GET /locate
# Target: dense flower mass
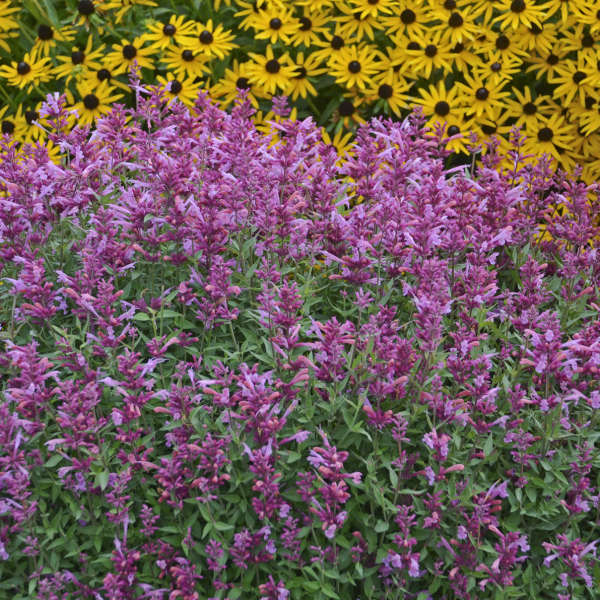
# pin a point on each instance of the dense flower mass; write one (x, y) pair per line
(478, 66)
(233, 367)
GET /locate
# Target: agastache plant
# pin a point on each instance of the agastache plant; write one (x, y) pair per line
(236, 365)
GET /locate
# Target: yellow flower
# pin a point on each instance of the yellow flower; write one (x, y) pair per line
(527, 110)
(483, 97)
(25, 129)
(234, 78)
(8, 25)
(497, 68)
(410, 19)
(275, 24)
(434, 53)
(460, 27)
(185, 62)
(123, 6)
(554, 134)
(577, 39)
(47, 37)
(370, 8)
(211, 41)
(547, 62)
(184, 89)
(122, 56)
(573, 82)
(270, 73)
(541, 39)
(589, 14)
(440, 103)
(391, 95)
(93, 78)
(331, 46)
(352, 23)
(7, 125)
(250, 12)
(347, 113)
(27, 73)
(505, 44)
(299, 84)
(342, 141)
(93, 102)
(519, 12)
(310, 27)
(354, 66)
(177, 30)
(79, 62)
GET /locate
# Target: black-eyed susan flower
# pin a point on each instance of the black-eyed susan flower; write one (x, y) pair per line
(8, 24)
(122, 6)
(185, 62)
(27, 73)
(347, 113)
(85, 9)
(526, 108)
(550, 135)
(459, 27)
(236, 77)
(507, 44)
(183, 88)
(265, 123)
(275, 24)
(342, 141)
(331, 45)
(91, 102)
(176, 30)
(249, 13)
(578, 39)
(541, 39)
(573, 81)
(546, 63)
(316, 5)
(353, 24)
(95, 77)
(589, 117)
(589, 14)
(440, 103)
(210, 41)
(409, 19)
(463, 57)
(391, 96)
(79, 61)
(120, 59)
(497, 126)
(563, 7)
(7, 124)
(354, 66)
(515, 13)
(270, 73)
(482, 97)
(393, 65)
(434, 53)
(47, 37)
(497, 68)
(300, 84)
(26, 124)
(310, 27)
(373, 8)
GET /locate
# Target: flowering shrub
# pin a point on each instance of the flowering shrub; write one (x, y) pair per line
(479, 66)
(223, 378)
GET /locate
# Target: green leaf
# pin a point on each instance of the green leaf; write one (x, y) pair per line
(102, 480)
(488, 446)
(53, 460)
(381, 526)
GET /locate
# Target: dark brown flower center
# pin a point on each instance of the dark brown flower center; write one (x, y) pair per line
(337, 42)
(206, 37)
(31, 116)
(354, 66)
(517, 6)
(545, 134)
(385, 91)
(430, 50)
(305, 24)
(23, 68)
(346, 108)
(552, 59)
(273, 66)
(242, 83)
(77, 57)
(103, 75)
(495, 67)
(169, 30)
(450, 4)
(578, 77)
(129, 51)
(176, 87)
(408, 16)
(8, 127)
(502, 42)
(455, 20)
(85, 7)
(453, 130)
(187, 55)
(275, 23)
(482, 94)
(45, 32)
(91, 101)
(529, 108)
(301, 74)
(442, 108)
